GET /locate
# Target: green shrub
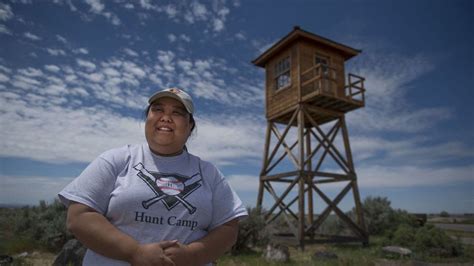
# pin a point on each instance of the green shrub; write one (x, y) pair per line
(43, 224)
(435, 242)
(378, 214)
(252, 232)
(444, 214)
(404, 235)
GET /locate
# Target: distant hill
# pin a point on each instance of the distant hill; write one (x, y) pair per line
(12, 206)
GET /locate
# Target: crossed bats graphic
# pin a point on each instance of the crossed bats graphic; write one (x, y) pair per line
(150, 180)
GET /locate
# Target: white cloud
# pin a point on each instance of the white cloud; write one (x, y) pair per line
(30, 72)
(5, 69)
(228, 139)
(171, 11)
(240, 36)
(24, 82)
(5, 12)
(89, 66)
(4, 30)
(31, 36)
(81, 51)
(89, 131)
(41, 134)
(409, 176)
(109, 71)
(171, 37)
(28, 190)
(146, 4)
(212, 15)
(185, 38)
(52, 68)
(54, 89)
(244, 183)
(414, 151)
(199, 11)
(133, 69)
(61, 39)
(129, 6)
(388, 79)
(130, 52)
(95, 77)
(185, 65)
(218, 24)
(96, 6)
(56, 52)
(114, 19)
(4, 78)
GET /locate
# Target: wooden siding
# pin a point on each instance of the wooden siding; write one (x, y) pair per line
(311, 83)
(279, 100)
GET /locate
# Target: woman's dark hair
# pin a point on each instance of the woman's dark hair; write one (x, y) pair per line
(191, 117)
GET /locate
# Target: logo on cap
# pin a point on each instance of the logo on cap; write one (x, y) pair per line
(175, 91)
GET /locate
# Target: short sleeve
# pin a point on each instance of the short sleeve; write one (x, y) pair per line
(93, 186)
(225, 202)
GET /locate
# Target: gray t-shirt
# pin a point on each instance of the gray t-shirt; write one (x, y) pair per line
(154, 198)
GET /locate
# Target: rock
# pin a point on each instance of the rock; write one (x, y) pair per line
(276, 253)
(397, 250)
(324, 255)
(5, 260)
(22, 255)
(72, 253)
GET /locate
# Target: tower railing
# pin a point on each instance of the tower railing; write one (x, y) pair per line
(322, 79)
(355, 90)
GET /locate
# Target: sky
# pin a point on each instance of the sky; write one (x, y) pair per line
(75, 77)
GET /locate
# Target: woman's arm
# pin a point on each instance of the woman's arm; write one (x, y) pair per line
(98, 234)
(206, 249)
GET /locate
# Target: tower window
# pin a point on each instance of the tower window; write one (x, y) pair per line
(323, 60)
(282, 73)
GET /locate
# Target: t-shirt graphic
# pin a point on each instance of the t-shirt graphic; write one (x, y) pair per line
(169, 188)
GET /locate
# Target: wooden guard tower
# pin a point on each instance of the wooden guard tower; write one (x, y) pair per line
(306, 91)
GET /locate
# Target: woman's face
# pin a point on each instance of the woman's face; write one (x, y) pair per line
(167, 126)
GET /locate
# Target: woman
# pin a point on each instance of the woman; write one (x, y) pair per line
(155, 203)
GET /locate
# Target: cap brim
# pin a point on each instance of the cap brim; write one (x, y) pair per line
(163, 94)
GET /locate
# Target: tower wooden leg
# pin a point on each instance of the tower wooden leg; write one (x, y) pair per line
(264, 166)
(302, 178)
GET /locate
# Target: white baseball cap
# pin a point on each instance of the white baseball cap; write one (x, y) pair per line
(177, 94)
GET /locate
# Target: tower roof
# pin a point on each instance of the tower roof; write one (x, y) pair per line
(296, 34)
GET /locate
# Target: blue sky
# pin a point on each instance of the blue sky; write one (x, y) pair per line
(75, 77)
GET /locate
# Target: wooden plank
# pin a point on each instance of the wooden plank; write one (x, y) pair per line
(278, 200)
(327, 148)
(264, 165)
(281, 158)
(270, 189)
(280, 175)
(287, 149)
(332, 175)
(301, 201)
(283, 207)
(338, 158)
(328, 209)
(265, 161)
(280, 140)
(309, 180)
(291, 202)
(276, 115)
(354, 227)
(317, 109)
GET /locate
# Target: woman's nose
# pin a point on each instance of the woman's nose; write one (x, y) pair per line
(165, 117)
